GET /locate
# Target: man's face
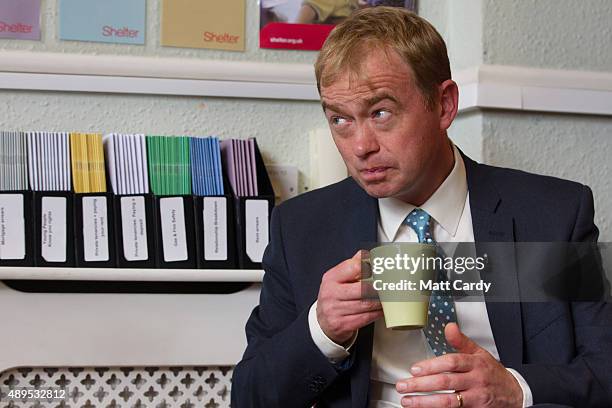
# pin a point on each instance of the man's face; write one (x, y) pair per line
(392, 145)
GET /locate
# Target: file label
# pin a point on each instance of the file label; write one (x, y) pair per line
(256, 222)
(134, 228)
(215, 229)
(174, 237)
(12, 227)
(95, 229)
(53, 229)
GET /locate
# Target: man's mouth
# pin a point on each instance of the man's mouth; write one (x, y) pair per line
(374, 173)
(375, 169)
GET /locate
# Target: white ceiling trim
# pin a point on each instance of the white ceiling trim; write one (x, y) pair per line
(482, 87)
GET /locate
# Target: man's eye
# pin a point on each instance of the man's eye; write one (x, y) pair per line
(336, 120)
(381, 114)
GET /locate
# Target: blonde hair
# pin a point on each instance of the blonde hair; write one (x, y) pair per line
(414, 40)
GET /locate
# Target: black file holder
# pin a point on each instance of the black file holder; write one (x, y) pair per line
(9, 236)
(137, 250)
(54, 225)
(175, 254)
(95, 230)
(211, 254)
(252, 216)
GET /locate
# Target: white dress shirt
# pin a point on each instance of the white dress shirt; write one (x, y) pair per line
(395, 351)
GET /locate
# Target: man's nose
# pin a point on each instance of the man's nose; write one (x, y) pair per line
(366, 142)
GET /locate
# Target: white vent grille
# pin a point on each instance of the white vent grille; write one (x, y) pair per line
(122, 387)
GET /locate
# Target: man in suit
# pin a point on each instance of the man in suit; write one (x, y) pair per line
(386, 90)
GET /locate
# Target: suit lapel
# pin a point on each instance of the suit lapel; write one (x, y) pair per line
(492, 224)
(362, 229)
(360, 374)
(360, 226)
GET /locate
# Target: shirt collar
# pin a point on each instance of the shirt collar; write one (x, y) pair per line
(445, 205)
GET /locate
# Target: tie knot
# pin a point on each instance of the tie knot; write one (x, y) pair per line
(419, 221)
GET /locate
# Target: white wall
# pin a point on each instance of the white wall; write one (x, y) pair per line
(460, 24)
(574, 147)
(549, 34)
(558, 34)
(565, 34)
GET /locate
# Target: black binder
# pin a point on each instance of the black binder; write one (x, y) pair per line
(253, 219)
(216, 231)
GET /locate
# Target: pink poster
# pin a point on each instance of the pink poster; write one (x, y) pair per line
(20, 19)
(305, 24)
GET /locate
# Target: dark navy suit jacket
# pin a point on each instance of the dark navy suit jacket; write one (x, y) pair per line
(562, 349)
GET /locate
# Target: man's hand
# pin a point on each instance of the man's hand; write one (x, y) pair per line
(341, 310)
(473, 371)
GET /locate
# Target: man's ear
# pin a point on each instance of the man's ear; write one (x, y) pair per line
(449, 103)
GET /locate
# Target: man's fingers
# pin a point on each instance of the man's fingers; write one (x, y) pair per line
(348, 291)
(459, 341)
(352, 291)
(439, 400)
(452, 362)
(436, 382)
(352, 307)
(343, 305)
(348, 270)
(357, 321)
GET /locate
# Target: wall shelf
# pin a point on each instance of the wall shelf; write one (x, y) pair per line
(44, 71)
(481, 87)
(129, 274)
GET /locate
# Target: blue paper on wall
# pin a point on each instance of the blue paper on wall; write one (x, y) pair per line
(111, 21)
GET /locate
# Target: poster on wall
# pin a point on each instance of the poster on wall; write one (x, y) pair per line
(204, 24)
(109, 21)
(305, 24)
(20, 19)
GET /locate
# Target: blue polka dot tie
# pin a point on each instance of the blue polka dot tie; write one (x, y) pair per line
(441, 305)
